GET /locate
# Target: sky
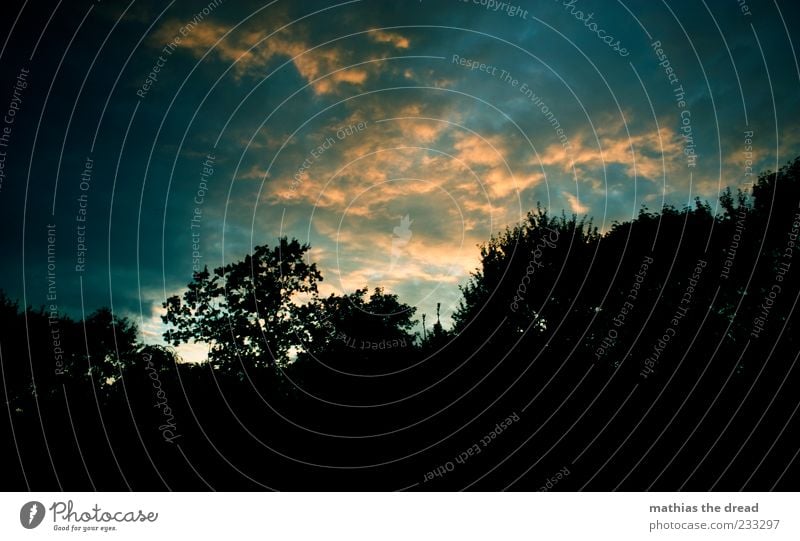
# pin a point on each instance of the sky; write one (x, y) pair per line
(143, 139)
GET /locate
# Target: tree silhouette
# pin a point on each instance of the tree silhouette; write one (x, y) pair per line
(248, 311)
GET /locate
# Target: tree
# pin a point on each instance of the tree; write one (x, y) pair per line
(352, 323)
(528, 273)
(114, 343)
(248, 311)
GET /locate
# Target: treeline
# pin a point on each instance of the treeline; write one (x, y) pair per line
(657, 355)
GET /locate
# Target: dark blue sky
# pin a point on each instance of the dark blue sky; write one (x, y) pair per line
(333, 122)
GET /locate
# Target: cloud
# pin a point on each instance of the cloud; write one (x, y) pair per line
(255, 172)
(364, 252)
(574, 204)
(648, 153)
(251, 52)
(396, 40)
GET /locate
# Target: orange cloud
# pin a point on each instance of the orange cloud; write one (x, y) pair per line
(648, 154)
(476, 151)
(396, 40)
(574, 204)
(250, 51)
